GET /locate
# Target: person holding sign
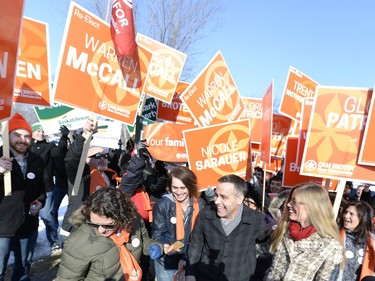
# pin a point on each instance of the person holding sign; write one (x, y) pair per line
(356, 226)
(49, 151)
(19, 219)
(109, 240)
(306, 244)
(222, 245)
(96, 173)
(174, 218)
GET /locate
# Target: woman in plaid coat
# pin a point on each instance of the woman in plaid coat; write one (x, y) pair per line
(306, 244)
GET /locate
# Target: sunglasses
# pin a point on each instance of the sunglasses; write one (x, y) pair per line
(105, 226)
(99, 156)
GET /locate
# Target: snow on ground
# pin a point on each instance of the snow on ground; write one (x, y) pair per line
(42, 247)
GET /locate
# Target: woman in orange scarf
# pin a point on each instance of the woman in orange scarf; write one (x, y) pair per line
(174, 217)
(356, 227)
(109, 240)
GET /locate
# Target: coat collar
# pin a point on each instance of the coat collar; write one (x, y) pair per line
(314, 243)
(247, 215)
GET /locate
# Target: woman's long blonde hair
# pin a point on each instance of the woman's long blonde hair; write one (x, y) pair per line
(320, 212)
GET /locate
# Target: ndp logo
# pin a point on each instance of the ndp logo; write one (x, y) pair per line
(310, 165)
(103, 105)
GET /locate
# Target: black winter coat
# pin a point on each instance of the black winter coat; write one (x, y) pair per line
(25, 189)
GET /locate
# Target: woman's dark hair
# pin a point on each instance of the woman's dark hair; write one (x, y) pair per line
(112, 203)
(187, 177)
(251, 193)
(365, 216)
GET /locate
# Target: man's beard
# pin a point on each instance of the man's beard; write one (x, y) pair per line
(21, 147)
(102, 167)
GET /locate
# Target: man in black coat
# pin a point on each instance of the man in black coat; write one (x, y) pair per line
(19, 212)
(95, 173)
(48, 151)
(222, 245)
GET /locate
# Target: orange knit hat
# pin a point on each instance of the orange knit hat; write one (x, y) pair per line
(18, 122)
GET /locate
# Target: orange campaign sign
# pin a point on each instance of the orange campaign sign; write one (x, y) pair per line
(306, 114)
(166, 142)
(219, 150)
(213, 97)
(11, 13)
(255, 147)
(267, 124)
(33, 71)
(334, 138)
(164, 70)
(292, 165)
(298, 86)
(304, 124)
(175, 111)
(274, 166)
(253, 111)
(367, 152)
(90, 76)
(280, 130)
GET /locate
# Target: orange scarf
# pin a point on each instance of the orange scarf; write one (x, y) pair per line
(130, 267)
(180, 231)
(368, 264)
(142, 201)
(96, 179)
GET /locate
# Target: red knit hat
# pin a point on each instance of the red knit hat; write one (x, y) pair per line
(18, 122)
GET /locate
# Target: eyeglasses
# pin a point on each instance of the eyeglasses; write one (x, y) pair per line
(99, 155)
(105, 226)
(250, 202)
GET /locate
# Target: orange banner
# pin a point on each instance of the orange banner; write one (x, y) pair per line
(166, 141)
(175, 111)
(90, 75)
(298, 86)
(33, 71)
(253, 111)
(367, 154)
(218, 150)
(164, 70)
(11, 13)
(280, 130)
(292, 165)
(267, 124)
(335, 132)
(213, 97)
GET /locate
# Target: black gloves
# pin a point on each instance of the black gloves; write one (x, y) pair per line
(64, 131)
(142, 151)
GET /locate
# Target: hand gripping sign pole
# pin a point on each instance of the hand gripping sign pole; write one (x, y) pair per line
(82, 160)
(7, 175)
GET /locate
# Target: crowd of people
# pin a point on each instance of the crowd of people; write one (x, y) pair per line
(130, 218)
